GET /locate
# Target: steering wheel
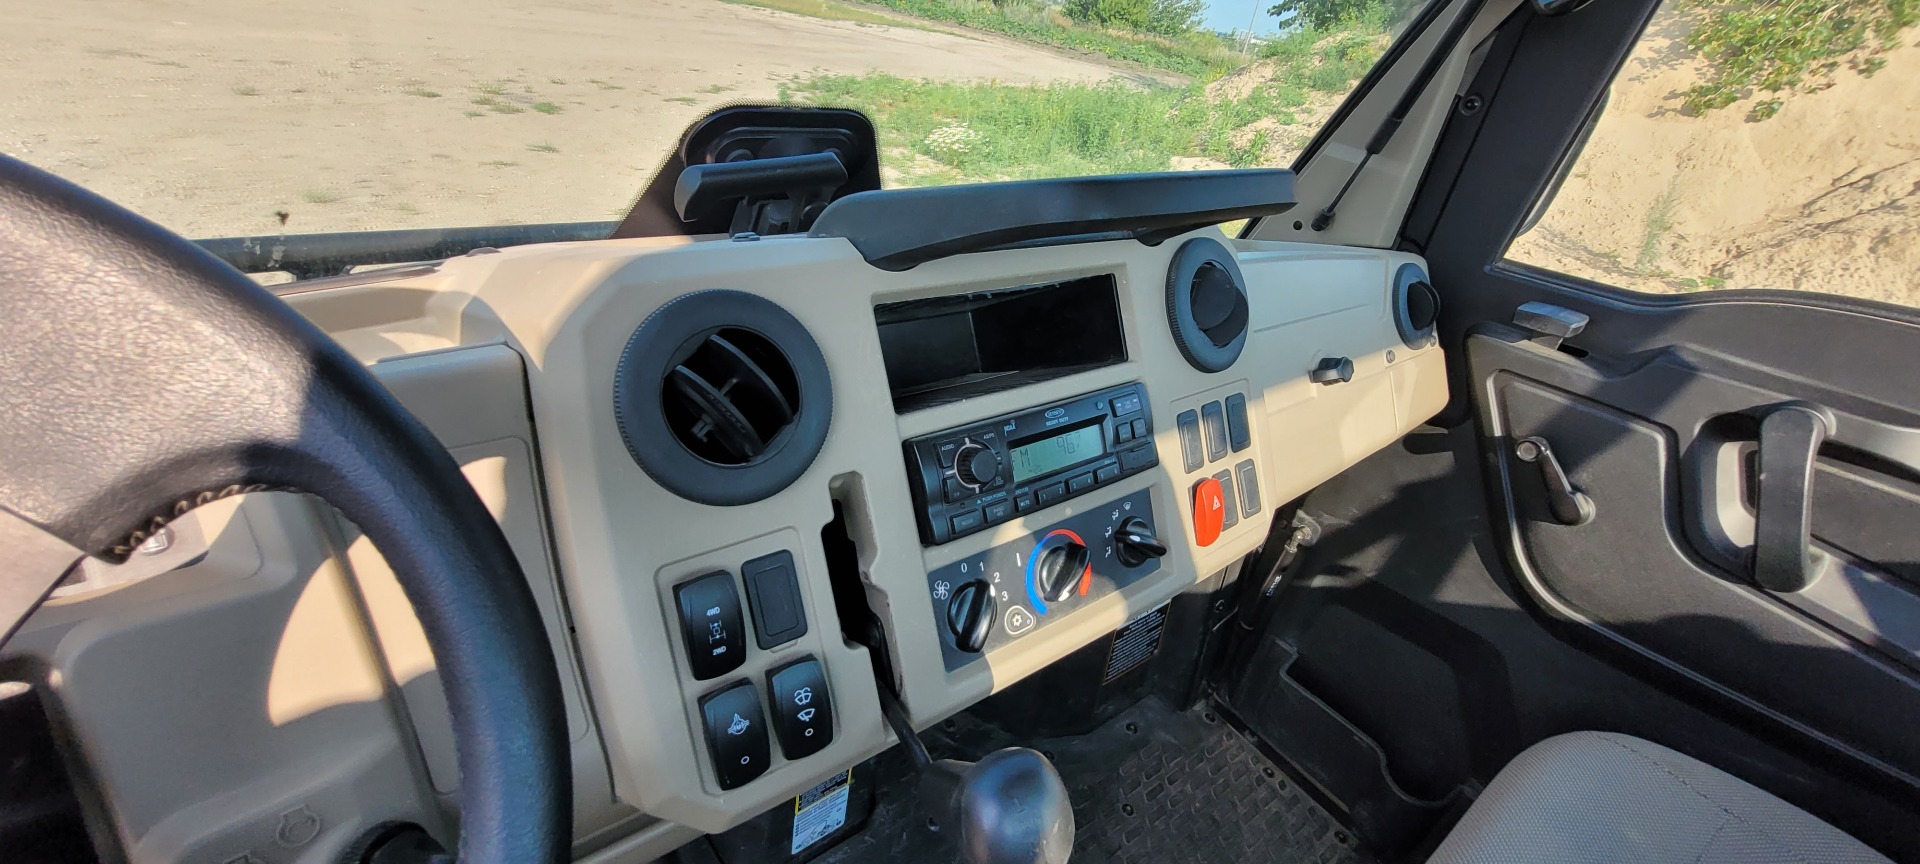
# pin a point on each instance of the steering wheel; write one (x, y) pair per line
(140, 377)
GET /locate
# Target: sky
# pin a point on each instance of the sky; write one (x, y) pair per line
(1232, 15)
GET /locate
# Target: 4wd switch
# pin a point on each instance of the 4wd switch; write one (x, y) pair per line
(711, 625)
(802, 707)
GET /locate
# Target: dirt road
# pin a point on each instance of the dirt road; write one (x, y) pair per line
(216, 116)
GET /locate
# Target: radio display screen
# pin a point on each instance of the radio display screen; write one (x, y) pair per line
(1055, 452)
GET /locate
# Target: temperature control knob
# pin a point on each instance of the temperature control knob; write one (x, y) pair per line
(970, 615)
(976, 464)
(1135, 543)
(1060, 569)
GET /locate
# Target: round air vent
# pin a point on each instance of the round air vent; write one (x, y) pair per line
(722, 397)
(1207, 304)
(1416, 306)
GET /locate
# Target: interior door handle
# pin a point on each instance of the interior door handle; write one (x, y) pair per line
(1790, 438)
(1569, 506)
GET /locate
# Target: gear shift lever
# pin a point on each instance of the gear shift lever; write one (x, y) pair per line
(1008, 808)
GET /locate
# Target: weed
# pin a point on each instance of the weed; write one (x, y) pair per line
(556, 80)
(421, 92)
(546, 107)
(543, 148)
(471, 113)
(497, 88)
(715, 88)
(604, 85)
(1659, 221)
(246, 90)
(1781, 47)
(499, 163)
(684, 100)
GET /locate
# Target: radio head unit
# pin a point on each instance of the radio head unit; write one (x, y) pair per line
(979, 475)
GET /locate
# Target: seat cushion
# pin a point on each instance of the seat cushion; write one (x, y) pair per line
(1602, 797)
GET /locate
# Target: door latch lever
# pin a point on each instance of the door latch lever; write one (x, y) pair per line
(1570, 506)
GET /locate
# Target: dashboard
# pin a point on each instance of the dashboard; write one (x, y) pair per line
(712, 455)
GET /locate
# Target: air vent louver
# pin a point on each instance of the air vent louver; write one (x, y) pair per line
(731, 397)
(722, 397)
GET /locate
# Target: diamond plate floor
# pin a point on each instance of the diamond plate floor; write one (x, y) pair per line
(1152, 785)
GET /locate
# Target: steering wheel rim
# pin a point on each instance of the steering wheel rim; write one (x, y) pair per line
(140, 377)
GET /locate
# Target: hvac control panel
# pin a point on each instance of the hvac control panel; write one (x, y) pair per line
(969, 478)
(1001, 595)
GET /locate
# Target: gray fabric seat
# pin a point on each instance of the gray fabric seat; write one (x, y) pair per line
(1603, 797)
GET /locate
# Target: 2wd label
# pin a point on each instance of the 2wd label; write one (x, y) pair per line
(820, 811)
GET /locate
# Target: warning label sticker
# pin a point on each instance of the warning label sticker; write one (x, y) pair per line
(1135, 643)
(820, 811)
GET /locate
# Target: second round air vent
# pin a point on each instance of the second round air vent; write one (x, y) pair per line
(1416, 306)
(1207, 304)
(722, 397)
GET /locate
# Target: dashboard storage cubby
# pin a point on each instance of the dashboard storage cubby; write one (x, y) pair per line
(945, 349)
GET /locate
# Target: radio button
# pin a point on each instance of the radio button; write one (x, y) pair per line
(1107, 474)
(1138, 458)
(1140, 428)
(1126, 403)
(966, 523)
(1122, 433)
(1022, 502)
(947, 449)
(1052, 495)
(997, 513)
(1230, 515)
(1080, 483)
(957, 490)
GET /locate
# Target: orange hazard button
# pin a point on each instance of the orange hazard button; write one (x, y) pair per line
(1209, 511)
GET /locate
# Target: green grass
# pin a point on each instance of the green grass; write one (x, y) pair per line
(497, 105)
(828, 10)
(546, 107)
(543, 148)
(1196, 54)
(943, 132)
(421, 92)
(684, 100)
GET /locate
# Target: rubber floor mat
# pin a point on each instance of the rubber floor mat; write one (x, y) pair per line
(1152, 785)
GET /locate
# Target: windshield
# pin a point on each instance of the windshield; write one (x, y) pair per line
(222, 118)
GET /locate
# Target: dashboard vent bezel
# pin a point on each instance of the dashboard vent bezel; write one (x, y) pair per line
(1210, 339)
(1415, 298)
(722, 397)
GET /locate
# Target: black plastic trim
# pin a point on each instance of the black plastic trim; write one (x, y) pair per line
(898, 229)
(313, 255)
(662, 341)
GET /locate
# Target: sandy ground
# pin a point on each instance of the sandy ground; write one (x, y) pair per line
(1821, 197)
(214, 117)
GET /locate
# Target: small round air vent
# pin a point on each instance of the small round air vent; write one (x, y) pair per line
(722, 397)
(1207, 304)
(1416, 306)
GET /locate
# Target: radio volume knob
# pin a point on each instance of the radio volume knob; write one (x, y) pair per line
(976, 464)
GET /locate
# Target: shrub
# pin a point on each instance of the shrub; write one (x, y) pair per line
(1789, 46)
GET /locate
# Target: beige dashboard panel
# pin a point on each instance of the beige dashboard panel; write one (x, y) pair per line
(510, 357)
(623, 541)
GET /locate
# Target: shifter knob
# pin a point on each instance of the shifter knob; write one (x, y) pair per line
(1009, 808)
(1136, 543)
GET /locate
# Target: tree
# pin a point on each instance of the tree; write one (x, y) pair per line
(1175, 17)
(1158, 17)
(1325, 14)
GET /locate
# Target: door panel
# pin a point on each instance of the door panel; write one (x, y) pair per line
(1662, 568)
